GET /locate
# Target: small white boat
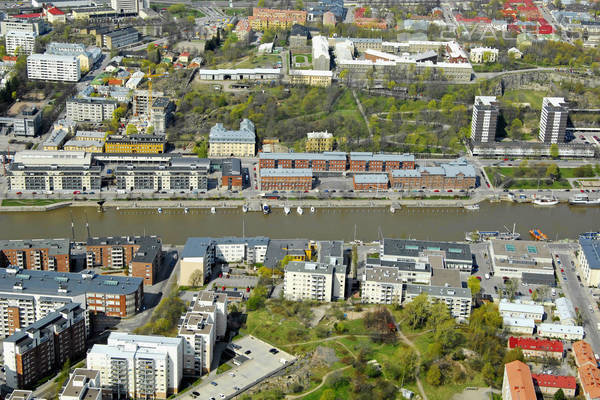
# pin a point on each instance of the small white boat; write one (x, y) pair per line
(186, 210)
(159, 210)
(392, 209)
(583, 199)
(472, 207)
(299, 210)
(213, 210)
(266, 209)
(546, 201)
(312, 210)
(286, 210)
(245, 208)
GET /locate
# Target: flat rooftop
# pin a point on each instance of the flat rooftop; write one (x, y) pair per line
(20, 106)
(54, 246)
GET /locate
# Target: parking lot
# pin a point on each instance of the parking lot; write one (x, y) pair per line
(257, 362)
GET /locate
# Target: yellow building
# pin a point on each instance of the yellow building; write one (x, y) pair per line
(310, 77)
(267, 18)
(89, 146)
(318, 142)
(149, 144)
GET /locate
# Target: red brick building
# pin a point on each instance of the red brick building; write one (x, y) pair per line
(369, 162)
(537, 348)
(231, 174)
(370, 182)
(142, 255)
(547, 385)
(40, 254)
(43, 347)
(455, 176)
(286, 179)
(331, 161)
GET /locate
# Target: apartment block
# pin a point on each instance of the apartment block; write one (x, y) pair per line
(329, 161)
(319, 142)
(537, 348)
(138, 366)
(448, 255)
(24, 41)
(382, 281)
(231, 174)
(84, 145)
(86, 58)
(485, 119)
(517, 383)
(548, 385)
(587, 370)
(589, 261)
(43, 347)
(142, 255)
(232, 143)
(181, 174)
(286, 179)
(149, 144)
(267, 18)
(519, 310)
(370, 182)
(90, 109)
(22, 120)
(553, 121)
(305, 280)
(521, 326)
(30, 294)
(458, 299)
(21, 395)
(557, 331)
(38, 254)
(83, 384)
(481, 55)
(117, 38)
(458, 175)
(200, 254)
(320, 53)
(35, 25)
(49, 67)
(56, 139)
(125, 6)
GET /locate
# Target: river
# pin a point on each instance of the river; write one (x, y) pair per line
(174, 226)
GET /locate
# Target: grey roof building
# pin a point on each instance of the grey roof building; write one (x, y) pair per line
(279, 248)
(454, 255)
(246, 133)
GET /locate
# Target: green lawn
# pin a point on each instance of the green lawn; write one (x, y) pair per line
(510, 171)
(533, 97)
(30, 202)
(223, 368)
(543, 184)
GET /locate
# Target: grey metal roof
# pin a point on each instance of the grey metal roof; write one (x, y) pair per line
(121, 32)
(328, 156)
(149, 246)
(279, 248)
(400, 265)
(310, 267)
(291, 172)
(56, 137)
(246, 133)
(367, 156)
(412, 248)
(328, 249)
(92, 100)
(54, 246)
(371, 178)
(196, 247)
(439, 291)
(98, 135)
(231, 167)
(591, 251)
(48, 282)
(50, 319)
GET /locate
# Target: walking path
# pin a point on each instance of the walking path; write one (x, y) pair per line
(362, 112)
(299, 396)
(412, 345)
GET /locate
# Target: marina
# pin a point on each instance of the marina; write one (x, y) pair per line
(174, 225)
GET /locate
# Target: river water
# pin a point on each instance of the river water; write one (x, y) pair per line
(174, 226)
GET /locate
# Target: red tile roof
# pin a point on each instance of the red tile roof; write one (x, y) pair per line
(55, 11)
(555, 381)
(34, 15)
(519, 381)
(9, 58)
(527, 343)
(584, 354)
(589, 376)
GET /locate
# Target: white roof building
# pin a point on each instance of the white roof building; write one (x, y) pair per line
(519, 310)
(565, 311)
(567, 332)
(519, 325)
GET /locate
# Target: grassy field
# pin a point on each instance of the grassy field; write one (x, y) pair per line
(30, 202)
(534, 98)
(543, 184)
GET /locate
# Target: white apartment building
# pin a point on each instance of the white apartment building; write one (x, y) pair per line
(522, 326)
(480, 55)
(90, 109)
(382, 281)
(219, 300)
(314, 281)
(553, 121)
(485, 119)
(518, 310)
(232, 143)
(22, 40)
(458, 300)
(589, 261)
(320, 53)
(84, 384)
(125, 6)
(51, 67)
(139, 366)
(521, 259)
(558, 331)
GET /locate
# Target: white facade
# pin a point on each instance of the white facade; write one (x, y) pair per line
(485, 119)
(314, 281)
(565, 311)
(90, 110)
(523, 326)
(50, 67)
(553, 120)
(219, 300)
(84, 384)
(139, 366)
(125, 6)
(320, 53)
(458, 300)
(557, 331)
(517, 310)
(24, 41)
(481, 55)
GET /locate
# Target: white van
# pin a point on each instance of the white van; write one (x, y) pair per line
(487, 276)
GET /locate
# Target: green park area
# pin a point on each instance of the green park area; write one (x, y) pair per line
(353, 351)
(523, 96)
(540, 175)
(29, 202)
